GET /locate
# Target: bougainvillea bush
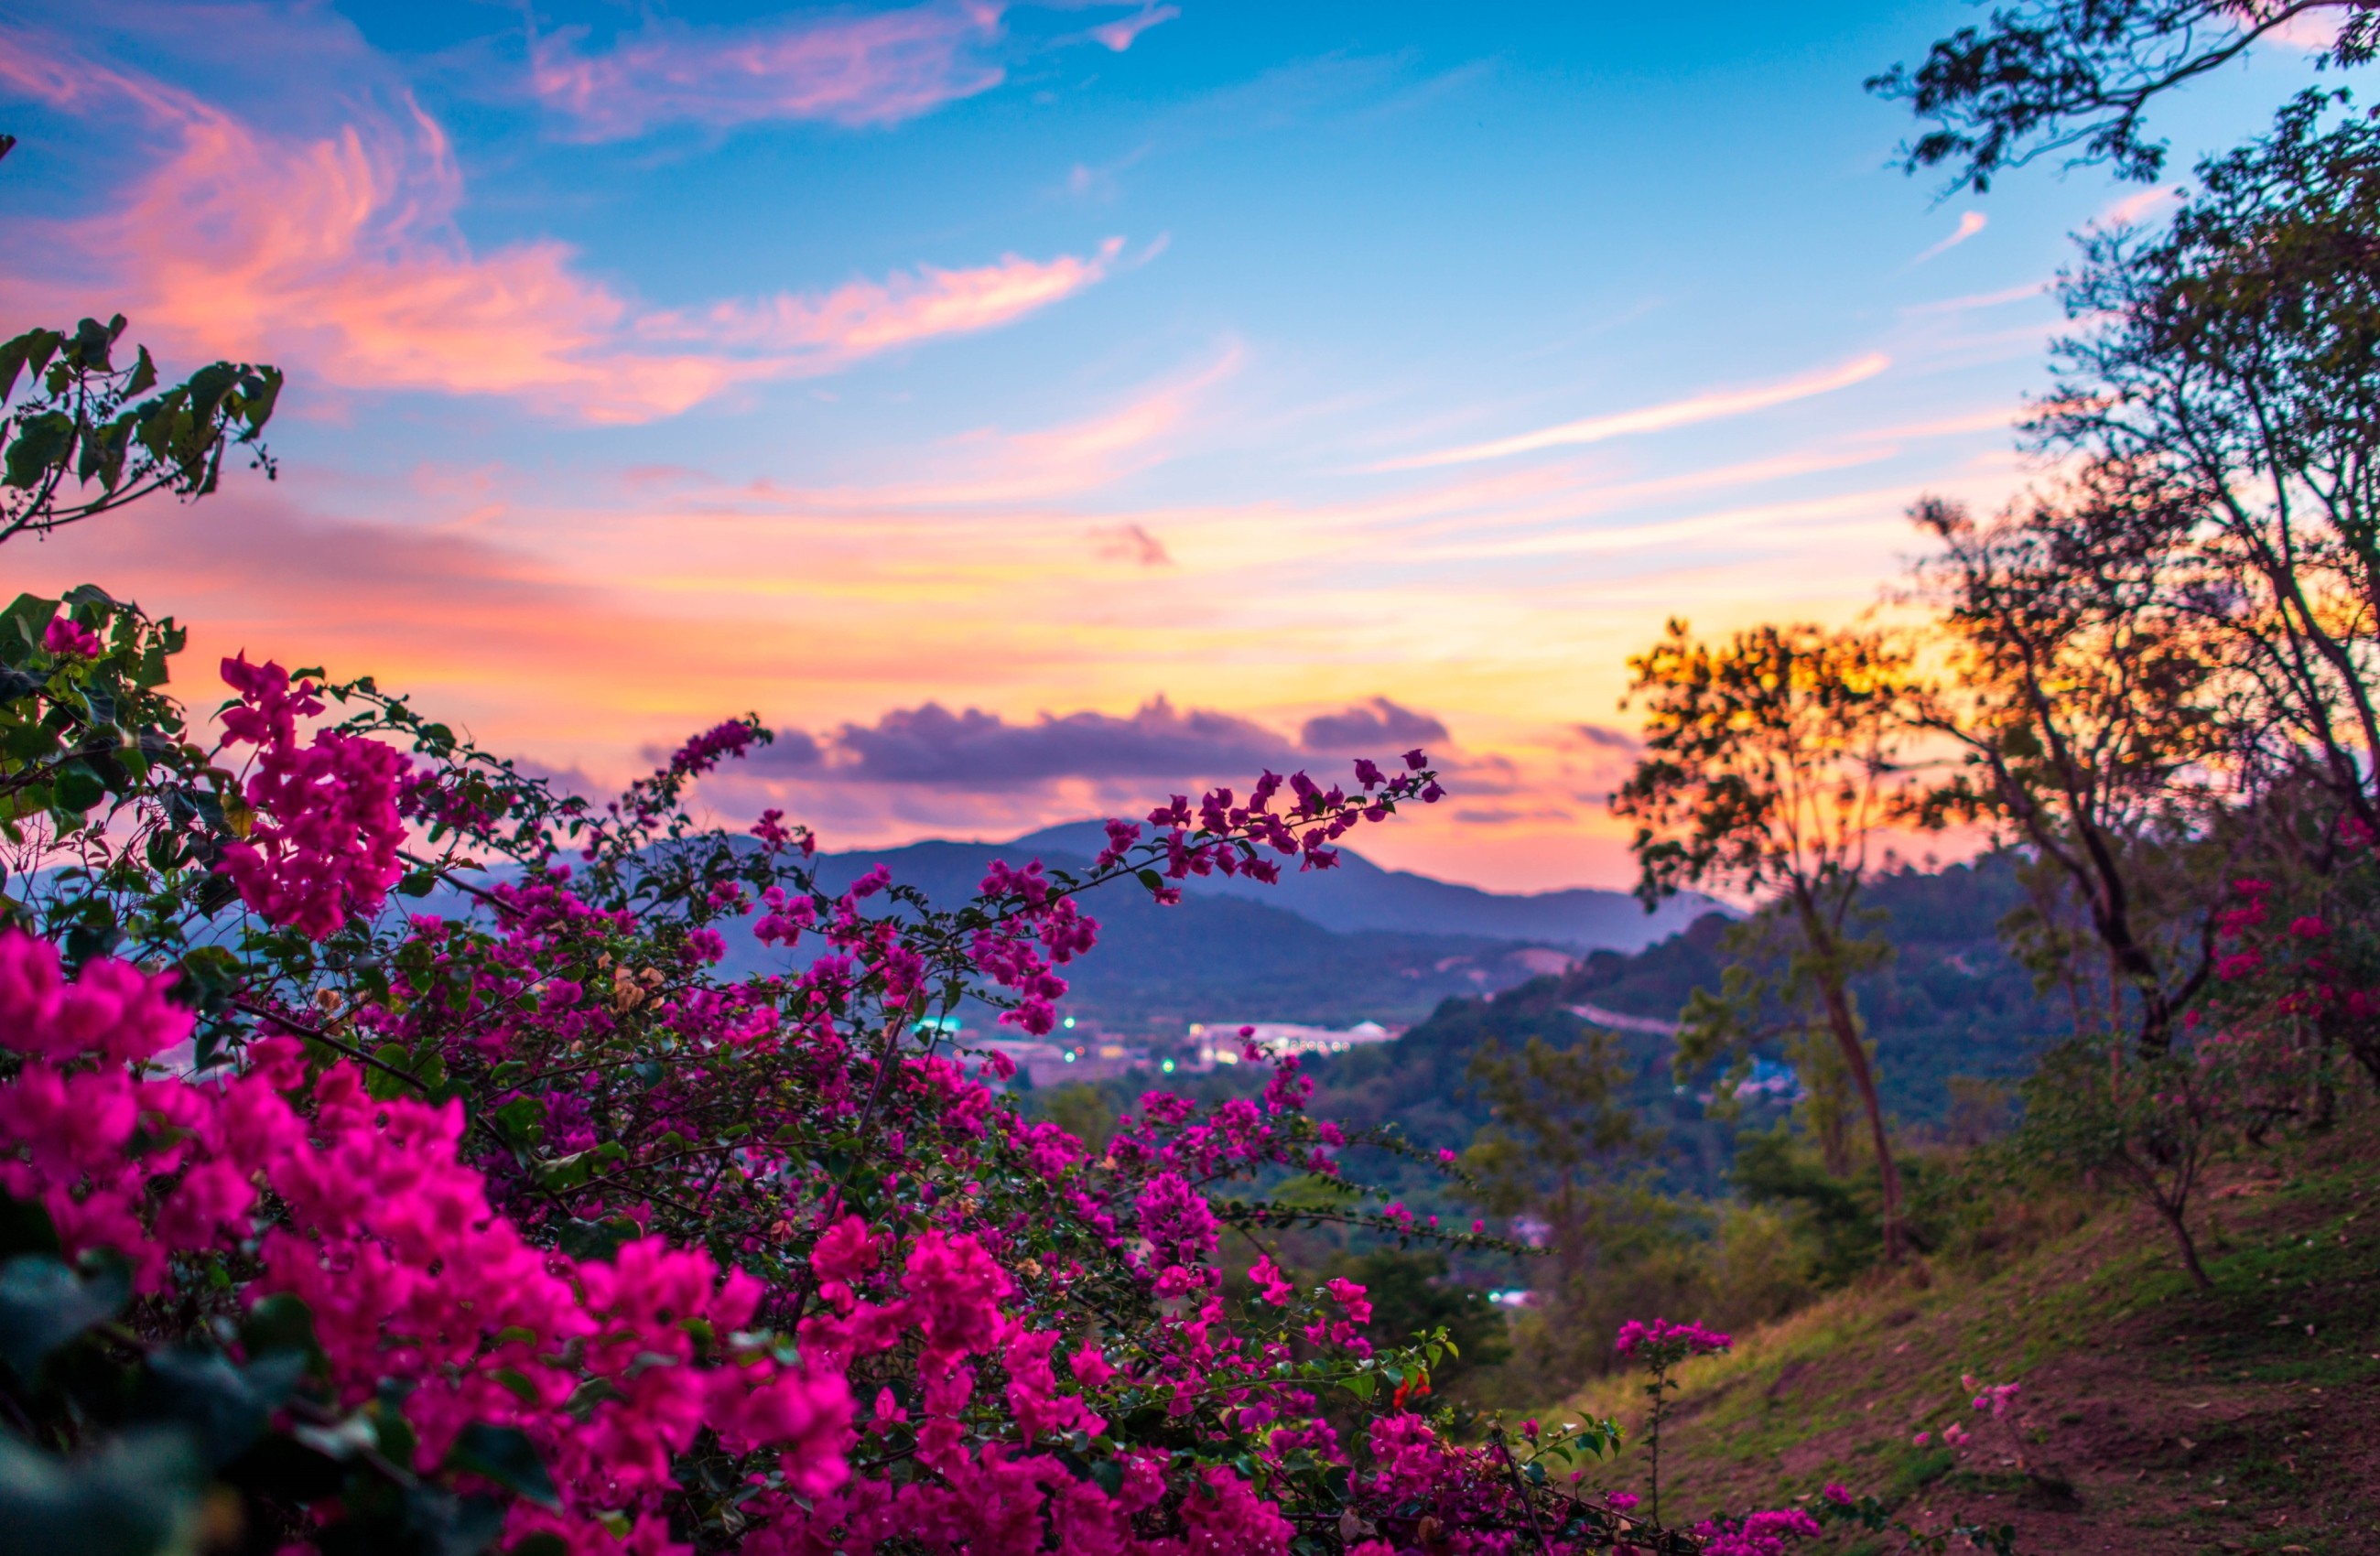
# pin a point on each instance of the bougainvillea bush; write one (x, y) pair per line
(386, 1167)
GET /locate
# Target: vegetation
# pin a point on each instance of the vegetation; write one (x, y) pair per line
(394, 1158)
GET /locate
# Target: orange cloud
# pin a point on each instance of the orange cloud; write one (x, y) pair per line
(340, 256)
(873, 69)
(1654, 418)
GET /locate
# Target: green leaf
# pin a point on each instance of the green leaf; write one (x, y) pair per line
(42, 442)
(43, 1305)
(25, 1228)
(597, 1239)
(137, 1497)
(282, 1325)
(224, 1407)
(504, 1455)
(18, 354)
(144, 375)
(1315, 1191)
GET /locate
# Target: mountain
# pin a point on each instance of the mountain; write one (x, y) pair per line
(1360, 896)
(1212, 957)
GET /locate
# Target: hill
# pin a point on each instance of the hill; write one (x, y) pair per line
(1950, 1002)
(2153, 1419)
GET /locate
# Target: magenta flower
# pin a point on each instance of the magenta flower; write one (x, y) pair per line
(66, 639)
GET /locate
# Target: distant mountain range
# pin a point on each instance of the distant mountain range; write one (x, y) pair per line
(1359, 896)
(1354, 943)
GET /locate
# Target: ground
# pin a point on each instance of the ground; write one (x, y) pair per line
(2151, 1418)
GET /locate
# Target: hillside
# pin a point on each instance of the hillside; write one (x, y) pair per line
(1950, 1003)
(2155, 1419)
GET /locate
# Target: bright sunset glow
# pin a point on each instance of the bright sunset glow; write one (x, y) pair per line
(1029, 409)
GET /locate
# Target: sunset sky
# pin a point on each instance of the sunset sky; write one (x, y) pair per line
(1031, 409)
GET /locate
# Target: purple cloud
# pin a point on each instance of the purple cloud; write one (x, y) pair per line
(1371, 728)
(1604, 737)
(973, 750)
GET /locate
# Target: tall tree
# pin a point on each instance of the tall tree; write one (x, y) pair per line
(2233, 361)
(2085, 701)
(2046, 76)
(1769, 767)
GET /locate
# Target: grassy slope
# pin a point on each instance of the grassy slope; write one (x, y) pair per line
(2182, 1421)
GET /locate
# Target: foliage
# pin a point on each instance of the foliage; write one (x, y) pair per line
(2049, 76)
(2080, 695)
(87, 421)
(1658, 1347)
(2229, 366)
(2151, 1123)
(518, 1227)
(1770, 764)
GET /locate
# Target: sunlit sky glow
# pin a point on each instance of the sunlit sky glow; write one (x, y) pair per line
(1031, 409)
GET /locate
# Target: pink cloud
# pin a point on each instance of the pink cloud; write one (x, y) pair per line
(876, 69)
(863, 317)
(2133, 207)
(1119, 35)
(1652, 419)
(340, 256)
(1970, 224)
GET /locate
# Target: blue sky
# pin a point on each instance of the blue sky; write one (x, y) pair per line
(653, 362)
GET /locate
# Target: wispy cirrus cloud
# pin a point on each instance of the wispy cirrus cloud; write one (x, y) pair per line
(1708, 407)
(1119, 34)
(861, 318)
(877, 69)
(1970, 224)
(2132, 207)
(339, 255)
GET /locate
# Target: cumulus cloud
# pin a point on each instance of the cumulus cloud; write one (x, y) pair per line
(868, 70)
(1371, 727)
(974, 750)
(794, 753)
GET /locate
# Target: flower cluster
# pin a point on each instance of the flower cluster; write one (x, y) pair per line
(1755, 1534)
(1663, 1344)
(327, 840)
(759, 1262)
(411, 1279)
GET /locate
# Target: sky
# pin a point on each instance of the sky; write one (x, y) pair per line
(1032, 411)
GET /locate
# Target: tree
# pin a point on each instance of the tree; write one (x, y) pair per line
(1771, 766)
(87, 421)
(2084, 700)
(1561, 1138)
(2051, 76)
(1770, 999)
(2232, 364)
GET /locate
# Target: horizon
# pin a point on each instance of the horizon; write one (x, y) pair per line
(1033, 410)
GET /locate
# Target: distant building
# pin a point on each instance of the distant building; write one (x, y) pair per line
(1221, 1042)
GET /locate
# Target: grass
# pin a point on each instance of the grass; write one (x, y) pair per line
(2183, 1420)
